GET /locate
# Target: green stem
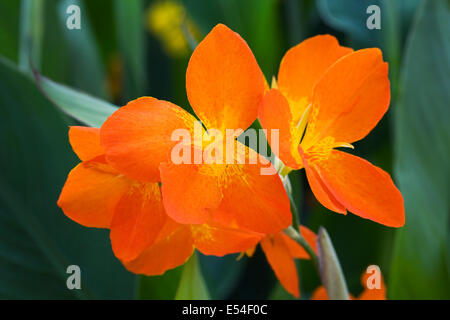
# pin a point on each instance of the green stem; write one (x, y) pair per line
(293, 231)
(297, 237)
(294, 209)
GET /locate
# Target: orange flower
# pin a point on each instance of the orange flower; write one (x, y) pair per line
(224, 85)
(367, 294)
(280, 251)
(142, 236)
(158, 210)
(339, 96)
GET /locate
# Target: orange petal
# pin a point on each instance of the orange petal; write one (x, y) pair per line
(303, 65)
(171, 250)
(281, 261)
(362, 188)
(138, 219)
(274, 114)
(374, 293)
(320, 294)
(350, 98)
(321, 192)
(309, 236)
(219, 241)
(137, 137)
(297, 250)
(223, 81)
(85, 142)
(189, 191)
(254, 201)
(91, 193)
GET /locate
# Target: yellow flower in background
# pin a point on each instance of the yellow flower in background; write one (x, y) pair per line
(166, 19)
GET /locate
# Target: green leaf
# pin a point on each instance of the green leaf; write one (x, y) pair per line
(192, 285)
(330, 269)
(130, 37)
(350, 17)
(221, 274)
(162, 287)
(9, 28)
(31, 33)
(86, 68)
(83, 107)
(421, 261)
(37, 241)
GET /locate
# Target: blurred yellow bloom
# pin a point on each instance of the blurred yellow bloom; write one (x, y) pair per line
(166, 19)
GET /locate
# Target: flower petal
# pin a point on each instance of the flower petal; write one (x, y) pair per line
(137, 137)
(173, 248)
(320, 294)
(350, 98)
(274, 114)
(362, 188)
(224, 83)
(85, 142)
(138, 219)
(281, 261)
(297, 250)
(189, 191)
(303, 65)
(321, 192)
(219, 241)
(251, 199)
(91, 193)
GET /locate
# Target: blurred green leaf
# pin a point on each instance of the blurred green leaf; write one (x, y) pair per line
(162, 287)
(86, 68)
(350, 17)
(37, 241)
(192, 285)
(31, 33)
(330, 269)
(221, 274)
(421, 261)
(130, 37)
(9, 28)
(83, 107)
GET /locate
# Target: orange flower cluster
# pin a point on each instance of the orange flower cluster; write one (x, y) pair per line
(158, 211)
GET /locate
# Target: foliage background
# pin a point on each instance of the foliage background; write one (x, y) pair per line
(125, 50)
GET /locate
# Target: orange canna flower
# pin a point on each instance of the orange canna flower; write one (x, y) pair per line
(224, 85)
(339, 96)
(143, 236)
(280, 251)
(367, 294)
(159, 210)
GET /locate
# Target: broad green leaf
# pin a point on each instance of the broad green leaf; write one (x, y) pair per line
(83, 107)
(192, 285)
(420, 266)
(330, 268)
(129, 16)
(37, 241)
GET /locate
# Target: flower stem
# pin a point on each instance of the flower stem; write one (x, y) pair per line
(297, 237)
